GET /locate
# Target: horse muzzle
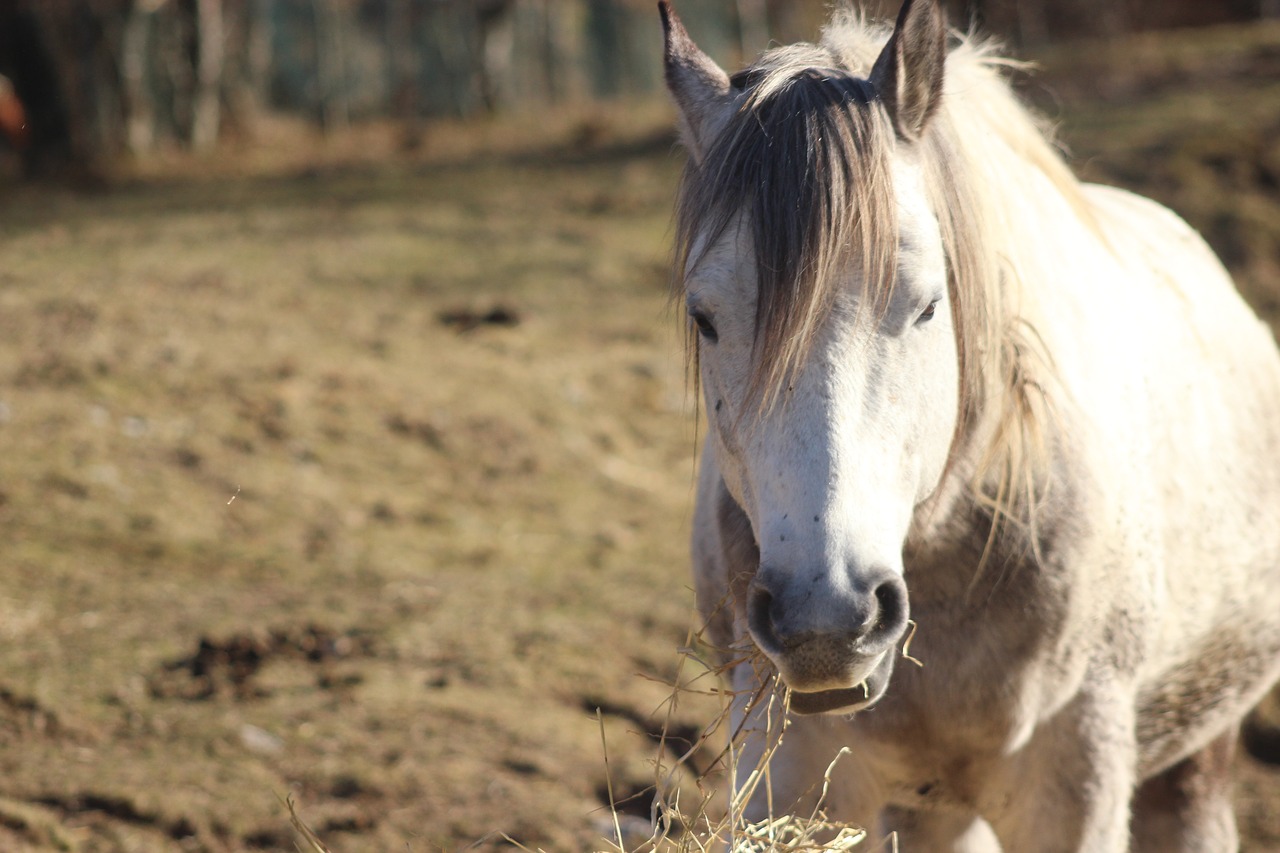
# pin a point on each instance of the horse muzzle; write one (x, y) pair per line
(833, 648)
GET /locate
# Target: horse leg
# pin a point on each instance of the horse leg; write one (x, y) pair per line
(1069, 788)
(1188, 807)
(945, 832)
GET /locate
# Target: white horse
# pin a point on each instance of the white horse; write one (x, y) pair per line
(940, 373)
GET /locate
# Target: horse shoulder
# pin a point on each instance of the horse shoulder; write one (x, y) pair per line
(1145, 235)
(1185, 449)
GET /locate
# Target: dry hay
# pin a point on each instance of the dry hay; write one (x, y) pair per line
(676, 827)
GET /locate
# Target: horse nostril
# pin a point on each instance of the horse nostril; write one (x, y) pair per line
(891, 608)
(760, 616)
(863, 622)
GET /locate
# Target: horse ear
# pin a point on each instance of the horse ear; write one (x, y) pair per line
(908, 73)
(699, 86)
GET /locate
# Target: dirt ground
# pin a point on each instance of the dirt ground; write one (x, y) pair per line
(361, 477)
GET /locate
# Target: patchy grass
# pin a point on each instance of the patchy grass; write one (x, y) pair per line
(360, 476)
(273, 526)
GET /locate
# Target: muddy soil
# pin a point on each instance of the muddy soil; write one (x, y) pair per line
(362, 479)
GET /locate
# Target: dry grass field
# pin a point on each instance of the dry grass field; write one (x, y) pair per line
(361, 477)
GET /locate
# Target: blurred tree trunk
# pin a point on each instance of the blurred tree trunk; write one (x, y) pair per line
(72, 36)
(139, 98)
(560, 48)
(258, 43)
(402, 70)
(496, 28)
(210, 61)
(332, 105)
(247, 52)
(753, 27)
(174, 47)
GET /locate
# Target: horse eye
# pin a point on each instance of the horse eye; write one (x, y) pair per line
(927, 314)
(705, 327)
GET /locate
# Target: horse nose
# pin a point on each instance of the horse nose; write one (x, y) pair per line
(863, 619)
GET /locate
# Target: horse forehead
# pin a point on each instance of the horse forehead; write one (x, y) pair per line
(728, 254)
(916, 222)
(723, 268)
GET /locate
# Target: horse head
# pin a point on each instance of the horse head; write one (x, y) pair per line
(816, 284)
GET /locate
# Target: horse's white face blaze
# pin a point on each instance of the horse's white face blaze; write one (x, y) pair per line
(831, 475)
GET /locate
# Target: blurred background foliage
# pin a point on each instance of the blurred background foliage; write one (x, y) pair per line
(83, 82)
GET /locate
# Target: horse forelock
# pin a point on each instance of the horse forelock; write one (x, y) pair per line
(804, 165)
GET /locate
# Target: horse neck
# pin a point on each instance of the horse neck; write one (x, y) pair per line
(1000, 474)
(1018, 221)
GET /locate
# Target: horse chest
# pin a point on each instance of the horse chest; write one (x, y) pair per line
(941, 790)
(945, 729)
(922, 766)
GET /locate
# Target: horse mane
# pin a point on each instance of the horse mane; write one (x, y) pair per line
(803, 163)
